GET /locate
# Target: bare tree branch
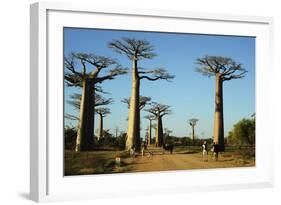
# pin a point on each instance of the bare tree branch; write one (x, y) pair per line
(156, 74)
(159, 109)
(226, 67)
(149, 117)
(193, 121)
(142, 102)
(241, 75)
(74, 76)
(133, 48)
(99, 100)
(102, 111)
(99, 89)
(73, 80)
(75, 100)
(70, 65)
(120, 48)
(71, 117)
(112, 73)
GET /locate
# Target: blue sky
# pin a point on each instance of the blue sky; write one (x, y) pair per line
(190, 94)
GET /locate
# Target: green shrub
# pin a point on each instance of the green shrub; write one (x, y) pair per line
(70, 134)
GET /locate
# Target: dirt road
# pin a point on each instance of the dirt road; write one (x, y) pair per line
(182, 160)
(102, 162)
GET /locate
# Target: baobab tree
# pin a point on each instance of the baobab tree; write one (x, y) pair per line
(159, 111)
(137, 50)
(116, 131)
(75, 101)
(149, 136)
(143, 101)
(83, 70)
(102, 112)
(146, 136)
(192, 122)
(224, 69)
(154, 126)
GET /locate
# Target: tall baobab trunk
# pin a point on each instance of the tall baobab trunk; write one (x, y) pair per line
(155, 136)
(101, 127)
(149, 133)
(159, 133)
(84, 140)
(116, 132)
(218, 124)
(133, 133)
(193, 133)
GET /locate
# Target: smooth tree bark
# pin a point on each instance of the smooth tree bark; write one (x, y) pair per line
(102, 112)
(143, 101)
(137, 50)
(83, 70)
(192, 122)
(116, 131)
(86, 122)
(159, 138)
(150, 118)
(224, 69)
(154, 126)
(219, 121)
(159, 111)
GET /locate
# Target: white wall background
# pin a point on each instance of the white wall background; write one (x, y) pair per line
(14, 100)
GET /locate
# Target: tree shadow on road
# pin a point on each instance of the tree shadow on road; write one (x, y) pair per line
(188, 152)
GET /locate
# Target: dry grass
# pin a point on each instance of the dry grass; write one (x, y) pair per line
(96, 162)
(103, 162)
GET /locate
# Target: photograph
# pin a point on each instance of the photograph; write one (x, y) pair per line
(148, 101)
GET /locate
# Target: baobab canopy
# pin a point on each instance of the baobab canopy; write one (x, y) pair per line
(224, 66)
(133, 48)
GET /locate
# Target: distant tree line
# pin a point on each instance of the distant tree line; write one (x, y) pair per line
(108, 141)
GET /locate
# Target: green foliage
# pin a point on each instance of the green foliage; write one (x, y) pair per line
(186, 141)
(243, 133)
(168, 139)
(70, 134)
(106, 141)
(120, 142)
(109, 141)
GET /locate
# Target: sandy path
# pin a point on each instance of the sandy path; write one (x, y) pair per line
(180, 161)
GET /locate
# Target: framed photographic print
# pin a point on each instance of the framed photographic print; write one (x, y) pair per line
(129, 102)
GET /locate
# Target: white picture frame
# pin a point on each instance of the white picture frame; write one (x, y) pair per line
(47, 182)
